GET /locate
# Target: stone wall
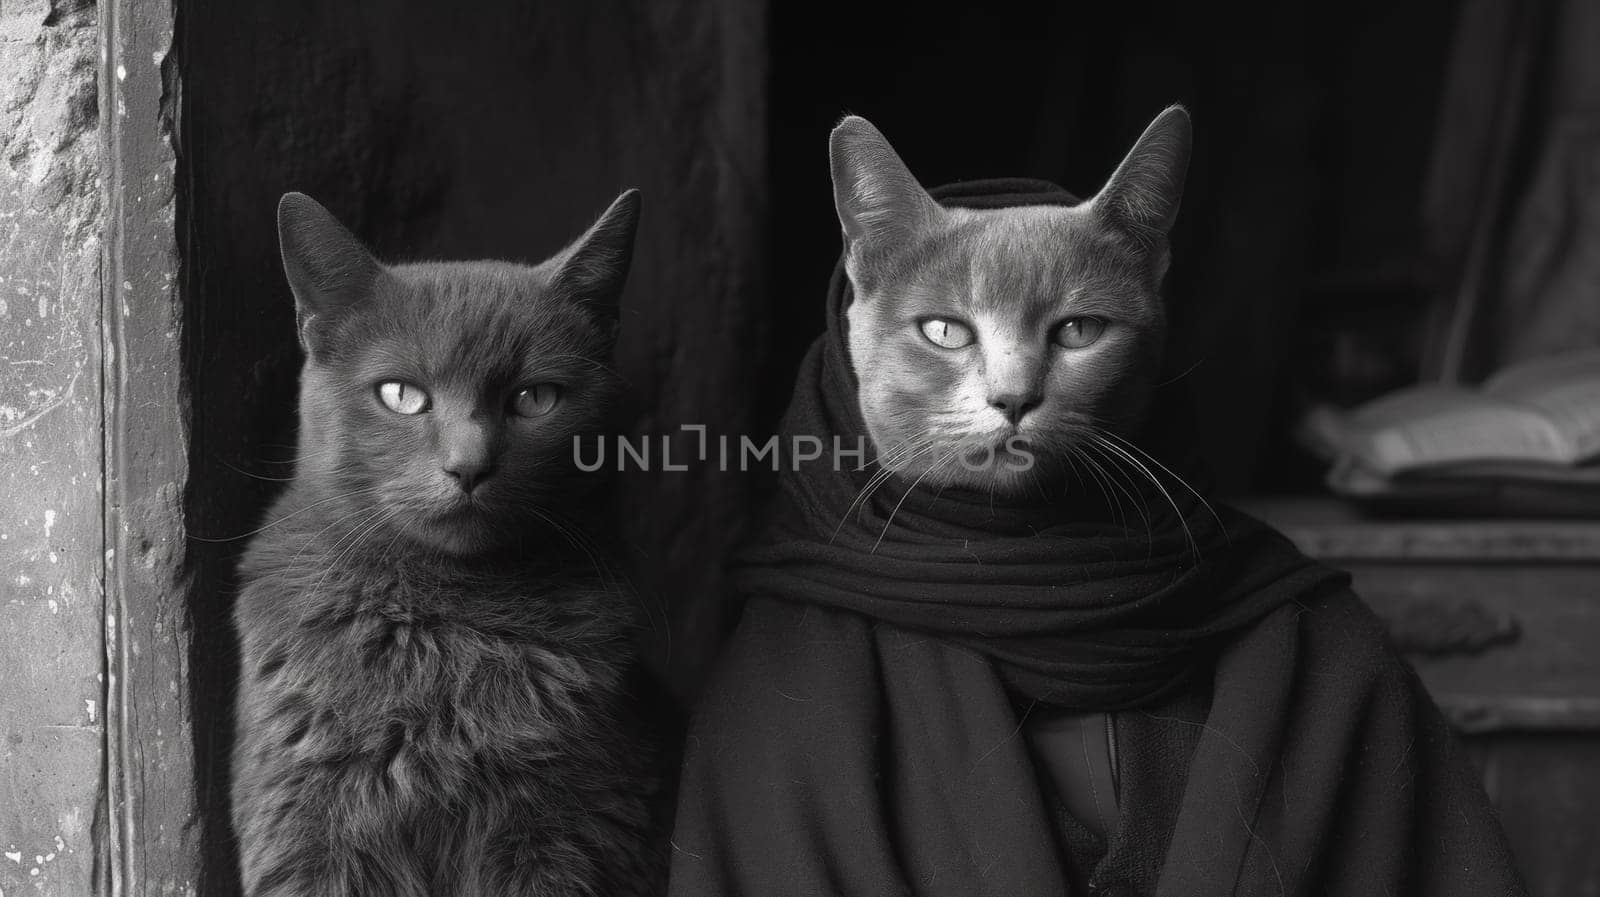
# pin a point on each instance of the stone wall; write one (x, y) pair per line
(51, 655)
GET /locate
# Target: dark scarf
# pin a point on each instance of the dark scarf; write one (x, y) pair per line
(860, 737)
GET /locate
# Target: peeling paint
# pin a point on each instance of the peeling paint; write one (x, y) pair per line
(72, 826)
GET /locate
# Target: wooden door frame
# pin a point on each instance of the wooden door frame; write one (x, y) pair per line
(150, 840)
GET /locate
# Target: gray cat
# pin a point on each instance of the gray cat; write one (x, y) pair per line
(432, 695)
(1033, 332)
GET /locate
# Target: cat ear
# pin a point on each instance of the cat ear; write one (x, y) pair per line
(327, 267)
(880, 204)
(594, 267)
(1142, 197)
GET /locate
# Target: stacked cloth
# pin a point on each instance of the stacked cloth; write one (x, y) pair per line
(861, 733)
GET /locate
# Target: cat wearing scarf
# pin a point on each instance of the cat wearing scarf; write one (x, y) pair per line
(1020, 654)
(432, 693)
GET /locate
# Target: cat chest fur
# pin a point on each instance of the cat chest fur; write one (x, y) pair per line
(426, 688)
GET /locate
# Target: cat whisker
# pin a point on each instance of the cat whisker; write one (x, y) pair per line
(1114, 475)
(1110, 488)
(1115, 449)
(614, 580)
(358, 537)
(292, 514)
(899, 451)
(906, 451)
(290, 446)
(581, 542)
(294, 562)
(1185, 483)
(948, 457)
(388, 548)
(293, 460)
(896, 462)
(592, 362)
(903, 453)
(875, 483)
(1128, 489)
(1083, 475)
(254, 476)
(361, 516)
(1176, 377)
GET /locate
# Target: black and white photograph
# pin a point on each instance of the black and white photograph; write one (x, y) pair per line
(763, 448)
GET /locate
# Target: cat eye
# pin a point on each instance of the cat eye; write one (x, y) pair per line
(1075, 333)
(535, 400)
(947, 334)
(402, 398)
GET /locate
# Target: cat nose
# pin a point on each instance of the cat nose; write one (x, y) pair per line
(467, 451)
(1013, 404)
(468, 472)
